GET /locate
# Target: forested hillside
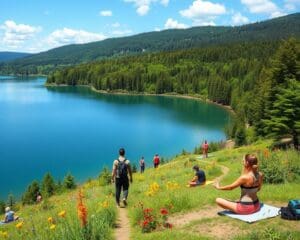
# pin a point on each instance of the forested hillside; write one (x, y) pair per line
(9, 56)
(260, 81)
(168, 40)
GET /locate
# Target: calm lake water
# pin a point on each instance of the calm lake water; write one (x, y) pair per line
(72, 129)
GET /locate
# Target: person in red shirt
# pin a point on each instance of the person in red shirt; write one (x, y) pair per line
(156, 160)
(205, 149)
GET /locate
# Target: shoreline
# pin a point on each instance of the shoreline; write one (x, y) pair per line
(122, 92)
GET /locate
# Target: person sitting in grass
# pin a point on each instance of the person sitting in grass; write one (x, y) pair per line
(250, 183)
(9, 216)
(199, 178)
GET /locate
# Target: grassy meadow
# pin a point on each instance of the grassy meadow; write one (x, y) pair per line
(160, 196)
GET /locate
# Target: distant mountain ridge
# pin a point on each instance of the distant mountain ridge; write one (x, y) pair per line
(167, 40)
(9, 56)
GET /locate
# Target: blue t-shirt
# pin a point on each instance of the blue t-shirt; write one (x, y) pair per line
(9, 216)
(201, 176)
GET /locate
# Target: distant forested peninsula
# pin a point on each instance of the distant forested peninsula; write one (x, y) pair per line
(260, 81)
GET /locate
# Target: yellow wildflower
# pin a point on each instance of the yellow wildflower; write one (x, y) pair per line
(4, 234)
(53, 226)
(19, 225)
(172, 185)
(105, 204)
(62, 213)
(50, 219)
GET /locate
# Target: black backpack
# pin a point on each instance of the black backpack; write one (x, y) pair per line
(292, 211)
(122, 168)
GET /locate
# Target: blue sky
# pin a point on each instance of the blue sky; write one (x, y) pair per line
(39, 25)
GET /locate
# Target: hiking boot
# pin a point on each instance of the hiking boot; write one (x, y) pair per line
(124, 202)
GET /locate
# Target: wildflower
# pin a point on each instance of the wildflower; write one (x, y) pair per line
(81, 210)
(62, 213)
(148, 210)
(53, 226)
(168, 225)
(50, 220)
(105, 204)
(164, 211)
(266, 153)
(4, 234)
(19, 225)
(145, 223)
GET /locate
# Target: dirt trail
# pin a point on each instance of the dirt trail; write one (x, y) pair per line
(123, 226)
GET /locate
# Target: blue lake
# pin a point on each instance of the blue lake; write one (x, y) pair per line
(72, 129)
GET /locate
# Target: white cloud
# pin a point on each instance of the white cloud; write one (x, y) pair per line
(201, 9)
(143, 6)
(260, 6)
(264, 7)
(69, 36)
(277, 14)
(239, 19)
(157, 29)
(203, 12)
(142, 10)
(291, 5)
(106, 13)
(171, 23)
(16, 34)
(164, 2)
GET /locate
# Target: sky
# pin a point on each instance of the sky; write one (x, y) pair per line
(39, 25)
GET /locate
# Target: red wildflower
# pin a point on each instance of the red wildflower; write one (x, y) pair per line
(145, 223)
(81, 210)
(148, 210)
(164, 211)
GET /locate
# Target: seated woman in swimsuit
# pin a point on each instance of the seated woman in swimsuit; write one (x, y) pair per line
(250, 183)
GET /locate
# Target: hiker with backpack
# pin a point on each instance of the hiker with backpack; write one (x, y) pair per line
(120, 172)
(142, 164)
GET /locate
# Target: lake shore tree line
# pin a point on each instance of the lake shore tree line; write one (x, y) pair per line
(260, 81)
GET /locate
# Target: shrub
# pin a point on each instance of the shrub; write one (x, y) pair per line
(48, 185)
(280, 166)
(29, 197)
(104, 177)
(240, 136)
(134, 168)
(2, 207)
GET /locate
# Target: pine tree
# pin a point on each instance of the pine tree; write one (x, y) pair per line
(69, 182)
(10, 200)
(29, 197)
(48, 185)
(2, 207)
(285, 113)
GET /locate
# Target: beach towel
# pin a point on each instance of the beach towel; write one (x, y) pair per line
(266, 211)
(206, 183)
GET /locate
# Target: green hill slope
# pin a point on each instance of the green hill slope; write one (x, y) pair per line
(156, 41)
(9, 56)
(165, 187)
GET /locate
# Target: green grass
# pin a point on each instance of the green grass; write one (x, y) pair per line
(173, 194)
